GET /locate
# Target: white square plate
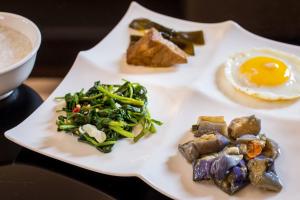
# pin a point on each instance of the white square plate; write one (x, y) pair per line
(177, 96)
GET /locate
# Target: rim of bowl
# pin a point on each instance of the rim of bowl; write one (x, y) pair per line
(33, 50)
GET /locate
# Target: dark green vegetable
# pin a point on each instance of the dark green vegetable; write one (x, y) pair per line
(113, 109)
(186, 46)
(184, 40)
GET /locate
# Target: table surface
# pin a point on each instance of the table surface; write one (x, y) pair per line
(25, 174)
(43, 86)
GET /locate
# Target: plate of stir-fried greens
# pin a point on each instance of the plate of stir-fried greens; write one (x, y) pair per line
(107, 113)
(116, 119)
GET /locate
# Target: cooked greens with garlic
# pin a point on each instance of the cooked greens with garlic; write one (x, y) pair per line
(107, 113)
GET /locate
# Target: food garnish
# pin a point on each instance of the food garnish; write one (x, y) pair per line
(107, 113)
(233, 158)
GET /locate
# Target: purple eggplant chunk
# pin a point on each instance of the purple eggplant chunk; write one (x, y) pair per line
(213, 167)
(243, 126)
(262, 174)
(221, 165)
(240, 172)
(189, 151)
(212, 143)
(271, 149)
(207, 127)
(201, 168)
(235, 180)
(270, 181)
(229, 172)
(203, 145)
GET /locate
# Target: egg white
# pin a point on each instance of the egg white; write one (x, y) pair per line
(285, 91)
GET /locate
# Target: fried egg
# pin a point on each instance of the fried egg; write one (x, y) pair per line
(265, 73)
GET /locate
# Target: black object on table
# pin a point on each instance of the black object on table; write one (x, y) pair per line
(25, 174)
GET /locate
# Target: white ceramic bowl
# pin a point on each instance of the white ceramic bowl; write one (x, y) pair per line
(14, 75)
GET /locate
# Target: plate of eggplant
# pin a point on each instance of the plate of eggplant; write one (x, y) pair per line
(177, 63)
(232, 157)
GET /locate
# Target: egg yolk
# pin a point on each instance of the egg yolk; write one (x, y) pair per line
(265, 71)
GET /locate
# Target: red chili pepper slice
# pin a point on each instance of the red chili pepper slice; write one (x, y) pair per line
(76, 110)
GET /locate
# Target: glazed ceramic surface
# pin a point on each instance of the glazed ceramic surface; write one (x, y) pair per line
(177, 96)
(14, 75)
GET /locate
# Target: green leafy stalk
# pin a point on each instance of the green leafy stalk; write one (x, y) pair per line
(122, 131)
(90, 97)
(66, 127)
(106, 143)
(90, 140)
(126, 100)
(139, 136)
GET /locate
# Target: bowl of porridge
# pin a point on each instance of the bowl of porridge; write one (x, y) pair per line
(20, 40)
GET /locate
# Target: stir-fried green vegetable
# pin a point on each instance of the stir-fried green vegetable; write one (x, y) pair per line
(184, 40)
(108, 111)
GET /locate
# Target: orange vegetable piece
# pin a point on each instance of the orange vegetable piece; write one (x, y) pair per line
(254, 148)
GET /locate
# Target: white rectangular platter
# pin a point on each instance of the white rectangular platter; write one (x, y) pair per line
(177, 95)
